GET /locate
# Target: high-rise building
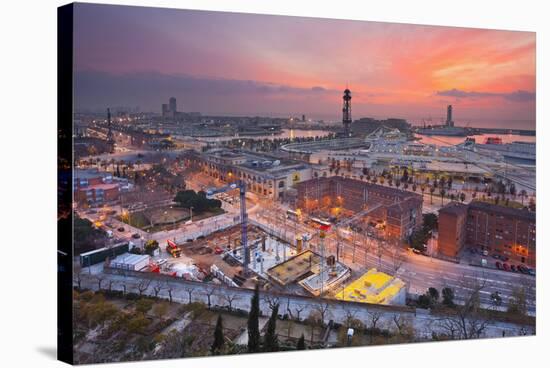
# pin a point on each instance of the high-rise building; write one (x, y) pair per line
(450, 121)
(173, 105)
(164, 110)
(346, 112)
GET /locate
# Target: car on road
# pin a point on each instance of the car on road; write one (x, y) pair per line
(523, 269)
(513, 268)
(136, 236)
(121, 229)
(496, 256)
(499, 265)
(218, 250)
(506, 267)
(531, 271)
(418, 251)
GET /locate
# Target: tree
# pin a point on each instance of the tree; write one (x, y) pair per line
(138, 324)
(157, 288)
(448, 296)
(468, 320)
(199, 202)
(77, 275)
(253, 322)
(517, 304)
(208, 292)
(432, 190)
(143, 305)
(173, 345)
(271, 343)
(405, 176)
(219, 340)
(418, 240)
(523, 194)
(434, 294)
(150, 246)
(189, 289)
(424, 301)
(230, 299)
(322, 309)
(160, 309)
(301, 344)
(142, 286)
(429, 222)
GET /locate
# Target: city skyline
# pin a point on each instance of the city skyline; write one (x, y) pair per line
(292, 65)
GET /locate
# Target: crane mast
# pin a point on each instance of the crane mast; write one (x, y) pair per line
(244, 216)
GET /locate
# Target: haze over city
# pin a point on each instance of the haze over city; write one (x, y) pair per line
(239, 64)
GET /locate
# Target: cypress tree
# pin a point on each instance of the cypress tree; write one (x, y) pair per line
(253, 323)
(219, 340)
(270, 339)
(301, 344)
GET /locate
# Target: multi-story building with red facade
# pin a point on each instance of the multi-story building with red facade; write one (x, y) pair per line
(452, 228)
(400, 211)
(505, 231)
(92, 187)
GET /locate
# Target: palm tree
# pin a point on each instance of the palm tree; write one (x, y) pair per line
(523, 194)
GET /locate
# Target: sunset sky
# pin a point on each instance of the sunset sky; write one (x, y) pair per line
(238, 64)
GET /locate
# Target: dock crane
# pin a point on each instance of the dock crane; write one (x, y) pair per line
(241, 185)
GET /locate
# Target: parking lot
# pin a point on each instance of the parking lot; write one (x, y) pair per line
(477, 257)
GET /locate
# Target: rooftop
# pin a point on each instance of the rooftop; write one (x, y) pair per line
(373, 287)
(100, 187)
(294, 268)
(523, 214)
(88, 174)
(455, 208)
(305, 268)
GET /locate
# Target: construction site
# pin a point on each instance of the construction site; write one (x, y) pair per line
(239, 253)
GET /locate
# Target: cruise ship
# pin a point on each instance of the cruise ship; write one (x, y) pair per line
(444, 130)
(521, 152)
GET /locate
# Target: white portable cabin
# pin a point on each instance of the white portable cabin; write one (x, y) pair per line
(133, 262)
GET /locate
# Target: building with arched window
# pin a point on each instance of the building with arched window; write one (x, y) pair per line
(264, 175)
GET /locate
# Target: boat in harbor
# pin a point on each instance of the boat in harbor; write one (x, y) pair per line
(521, 152)
(444, 130)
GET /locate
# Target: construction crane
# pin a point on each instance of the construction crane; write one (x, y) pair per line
(239, 184)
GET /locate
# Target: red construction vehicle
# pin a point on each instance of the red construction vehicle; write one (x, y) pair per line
(173, 249)
(153, 267)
